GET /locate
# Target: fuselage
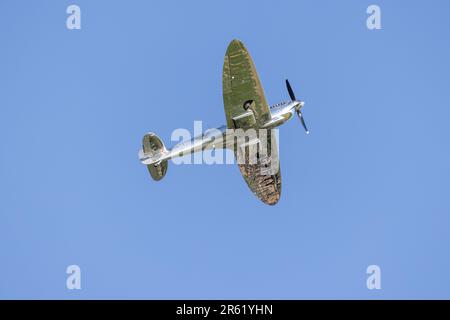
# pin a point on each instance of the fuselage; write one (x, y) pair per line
(282, 112)
(220, 137)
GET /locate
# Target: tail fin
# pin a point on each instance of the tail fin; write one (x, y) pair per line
(153, 150)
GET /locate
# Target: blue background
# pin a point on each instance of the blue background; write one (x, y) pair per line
(369, 185)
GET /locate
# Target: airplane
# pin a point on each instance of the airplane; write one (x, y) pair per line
(245, 108)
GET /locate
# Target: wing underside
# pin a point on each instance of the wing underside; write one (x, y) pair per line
(263, 176)
(246, 108)
(241, 84)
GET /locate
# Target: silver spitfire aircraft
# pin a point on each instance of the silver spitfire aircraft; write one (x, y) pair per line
(245, 108)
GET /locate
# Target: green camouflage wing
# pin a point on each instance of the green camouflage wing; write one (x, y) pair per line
(246, 107)
(240, 84)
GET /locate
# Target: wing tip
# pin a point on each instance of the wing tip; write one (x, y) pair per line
(235, 45)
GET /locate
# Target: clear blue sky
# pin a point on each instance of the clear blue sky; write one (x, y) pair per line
(369, 185)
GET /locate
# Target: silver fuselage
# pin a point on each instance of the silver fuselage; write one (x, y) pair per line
(221, 137)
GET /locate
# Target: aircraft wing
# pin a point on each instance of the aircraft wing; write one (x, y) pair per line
(246, 107)
(240, 84)
(264, 176)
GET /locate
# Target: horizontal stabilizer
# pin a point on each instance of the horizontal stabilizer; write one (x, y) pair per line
(152, 154)
(158, 171)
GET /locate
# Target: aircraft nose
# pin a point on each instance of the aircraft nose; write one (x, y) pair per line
(299, 105)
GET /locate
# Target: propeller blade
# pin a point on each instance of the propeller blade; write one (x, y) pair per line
(291, 92)
(303, 121)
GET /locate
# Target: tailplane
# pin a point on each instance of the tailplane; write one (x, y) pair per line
(152, 154)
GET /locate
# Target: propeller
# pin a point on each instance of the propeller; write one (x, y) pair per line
(291, 92)
(293, 98)
(303, 121)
